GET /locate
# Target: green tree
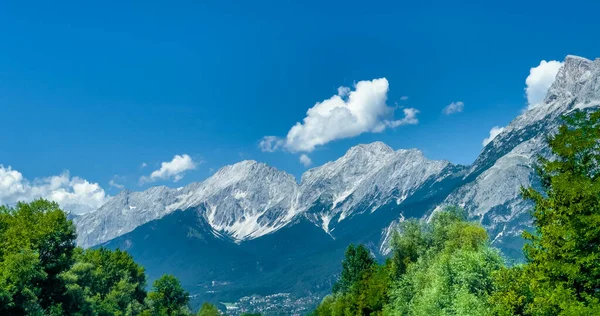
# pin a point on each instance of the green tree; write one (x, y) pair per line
(366, 296)
(43, 273)
(106, 282)
(208, 309)
(512, 291)
(357, 261)
(168, 297)
(20, 274)
(562, 273)
(440, 267)
(370, 294)
(407, 247)
(39, 237)
(449, 273)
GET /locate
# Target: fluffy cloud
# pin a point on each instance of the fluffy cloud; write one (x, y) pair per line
(347, 114)
(493, 133)
(270, 144)
(305, 160)
(454, 107)
(174, 169)
(539, 80)
(114, 182)
(410, 118)
(72, 193)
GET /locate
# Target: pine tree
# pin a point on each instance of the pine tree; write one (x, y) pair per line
(562, 273)
(356, 262)
(564, 251)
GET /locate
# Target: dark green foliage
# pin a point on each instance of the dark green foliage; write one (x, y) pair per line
(208, 309)
(168, 297)
(362, 288)
(566, 247)
(562, 275)
(105, 282)
(356, 262)
(43, 273)
(36, 246)
(20, 274)
(512, 291)
(366, 296)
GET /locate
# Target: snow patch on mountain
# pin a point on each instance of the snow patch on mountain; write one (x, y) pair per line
(374, 174)
(385, 247)
(245, 200)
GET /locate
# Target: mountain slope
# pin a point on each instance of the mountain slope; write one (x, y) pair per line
(258, 199)
(122, 214)
(492, 187)
(245, 200)
(248, 227)
(364, 179)
(248, 200)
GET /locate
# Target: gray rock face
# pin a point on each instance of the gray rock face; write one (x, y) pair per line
(245, 200)
(372, 173)
(123, 213)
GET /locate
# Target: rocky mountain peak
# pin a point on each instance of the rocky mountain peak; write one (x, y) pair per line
(571, 78)
(372, 148)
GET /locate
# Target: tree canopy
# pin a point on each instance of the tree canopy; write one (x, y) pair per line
(168, 297)
(357, 261)
(562, 274)
(42, 272)
(208, 309)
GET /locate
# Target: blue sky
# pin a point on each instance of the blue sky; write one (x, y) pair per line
(98, 89)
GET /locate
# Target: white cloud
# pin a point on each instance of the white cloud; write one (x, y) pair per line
(410, 118)
(174, 169)
(539, 81)
(72, 193)
(113, 183)
(270, 144)
(404, 98)
(347, 114)
(305, 160)
(454, 107)
(493, 133)
(143, 165)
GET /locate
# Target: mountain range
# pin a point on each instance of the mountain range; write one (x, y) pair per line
(253, 229)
